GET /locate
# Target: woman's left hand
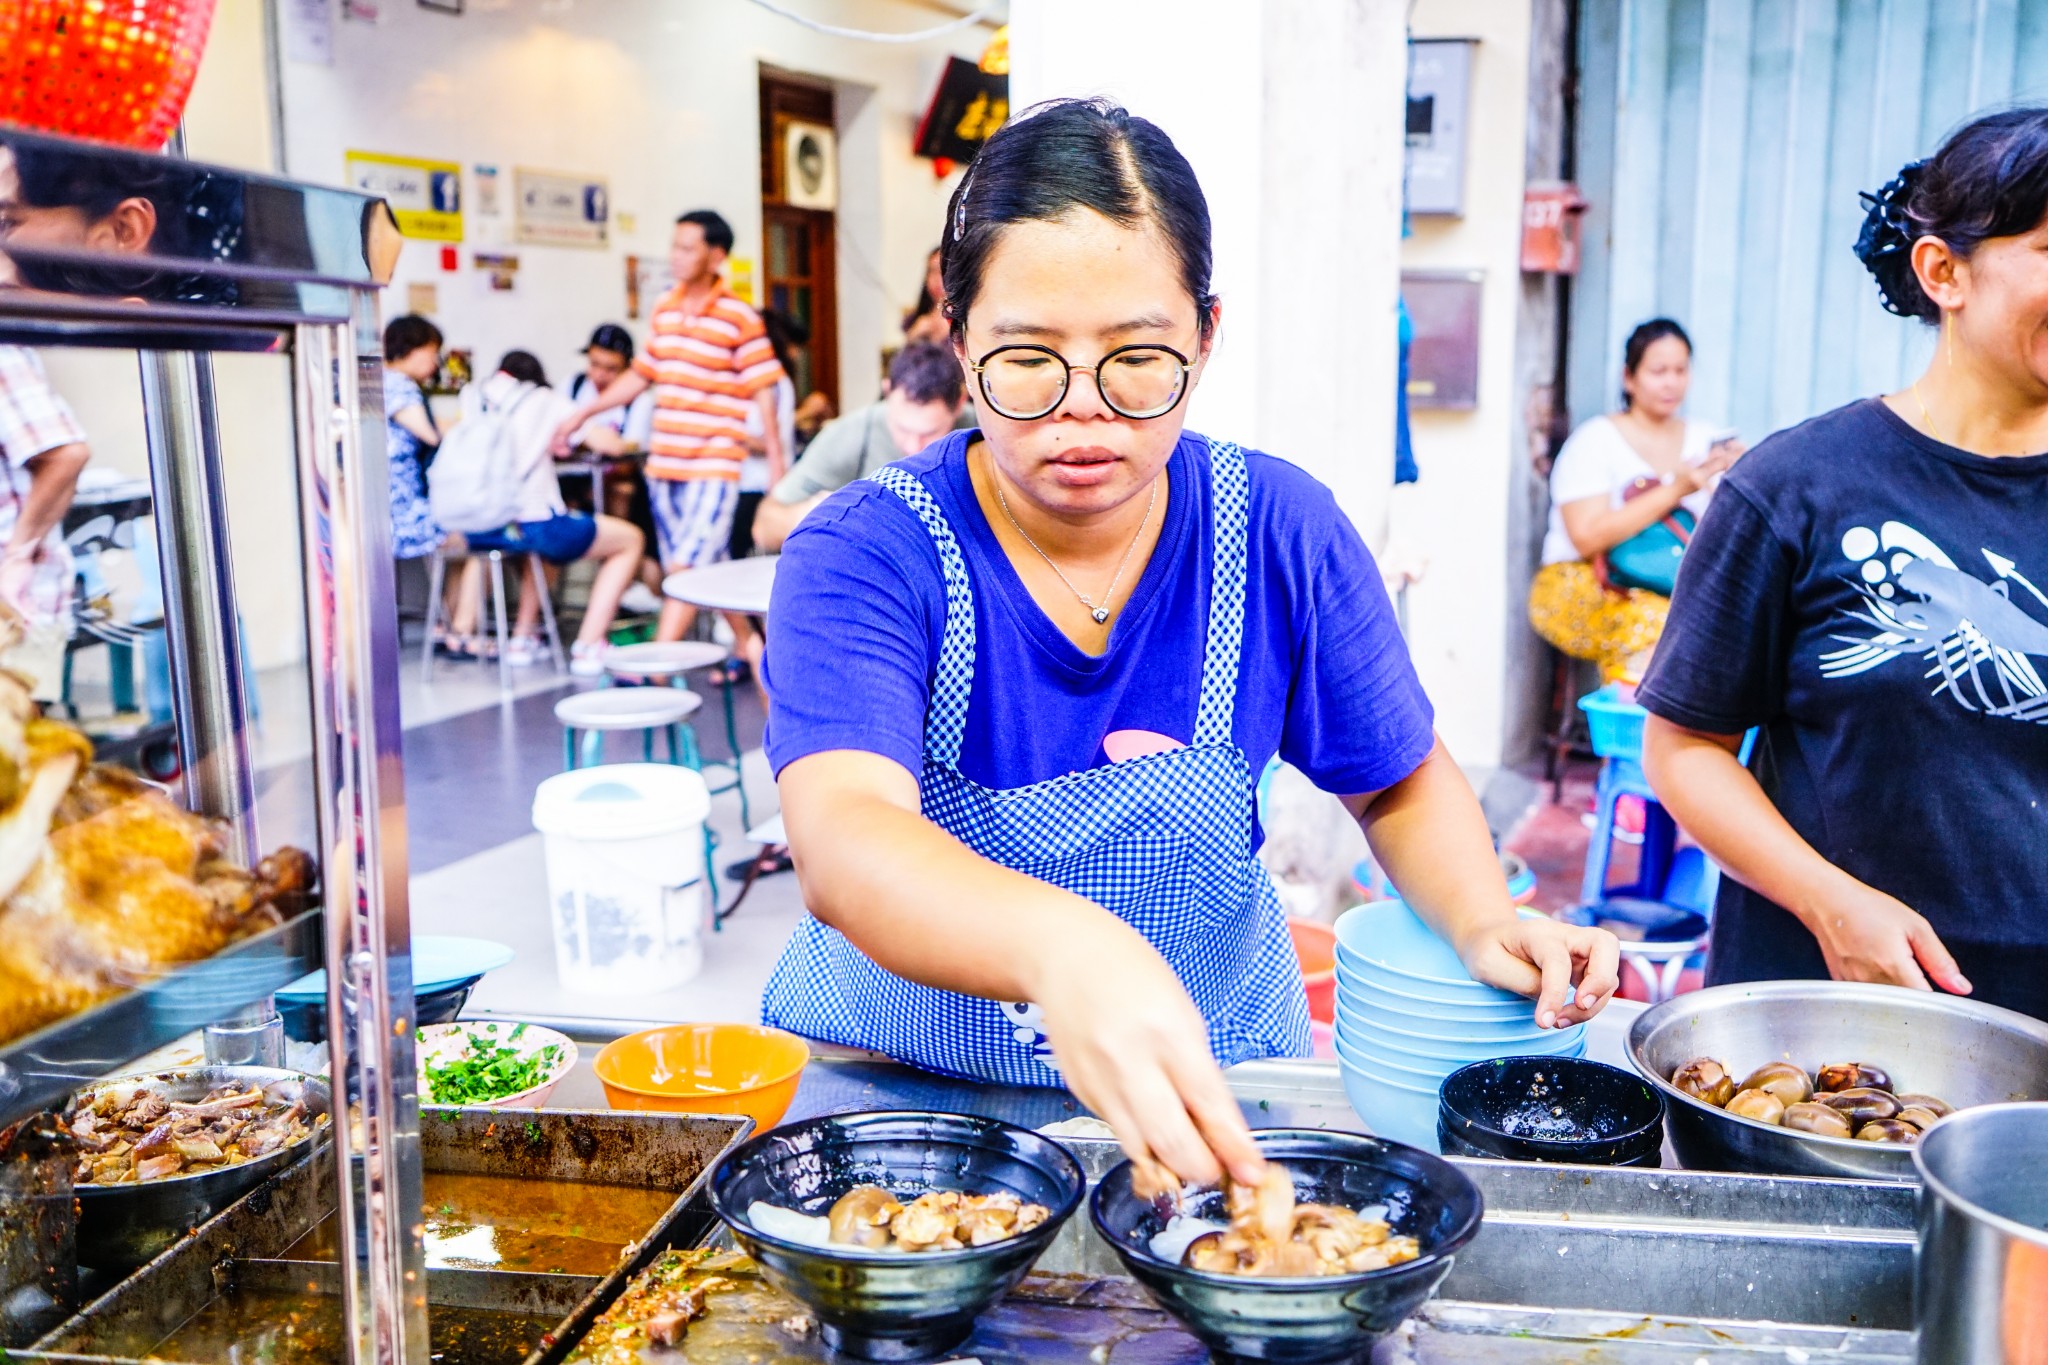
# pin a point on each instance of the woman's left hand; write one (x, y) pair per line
(1572, 972)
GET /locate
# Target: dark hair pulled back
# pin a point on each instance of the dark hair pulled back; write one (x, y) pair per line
(1990, 179)
(1075, 154)
(525, 367)
(1646, 335)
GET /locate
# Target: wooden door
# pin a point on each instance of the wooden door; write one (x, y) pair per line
(799, 276)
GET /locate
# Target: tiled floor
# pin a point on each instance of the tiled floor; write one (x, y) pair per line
(473, 757)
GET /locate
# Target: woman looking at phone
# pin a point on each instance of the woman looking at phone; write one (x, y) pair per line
(1620, 475)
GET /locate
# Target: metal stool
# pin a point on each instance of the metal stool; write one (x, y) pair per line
(646, 709)
(664, 664)
(494, 588)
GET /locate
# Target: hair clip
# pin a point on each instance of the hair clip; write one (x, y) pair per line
(960, 208)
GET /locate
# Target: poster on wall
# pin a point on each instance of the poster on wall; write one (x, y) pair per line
(561, 210)
(308, 31)
(425, 196)
(810, 166)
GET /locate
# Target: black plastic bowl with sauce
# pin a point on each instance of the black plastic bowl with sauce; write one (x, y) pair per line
(904, 1305)
(1561, 1109)
(1305, 1321)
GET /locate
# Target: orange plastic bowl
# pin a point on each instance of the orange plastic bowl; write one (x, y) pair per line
(705, 1069)
(1315, 946)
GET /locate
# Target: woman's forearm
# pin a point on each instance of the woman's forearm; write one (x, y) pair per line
(918, 901)
(1429, 835)
(1595, 527)
(1716, 800)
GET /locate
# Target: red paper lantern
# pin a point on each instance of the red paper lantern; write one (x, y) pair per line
(114, 70)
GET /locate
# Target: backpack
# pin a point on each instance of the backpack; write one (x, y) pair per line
(477, 476)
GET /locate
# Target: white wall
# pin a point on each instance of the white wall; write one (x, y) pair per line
(1305, 227)
(661, 97)
(1455, 520)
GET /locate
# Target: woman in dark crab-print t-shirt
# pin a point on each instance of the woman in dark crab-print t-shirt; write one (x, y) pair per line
(1870, 590)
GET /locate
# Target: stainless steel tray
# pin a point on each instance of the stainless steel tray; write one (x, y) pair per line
(249, 1247)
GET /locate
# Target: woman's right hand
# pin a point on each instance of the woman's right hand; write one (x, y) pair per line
(1694, 478)
(1133, 1048)
(1867, 935)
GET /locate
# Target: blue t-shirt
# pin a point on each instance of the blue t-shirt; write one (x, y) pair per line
(1324, 678)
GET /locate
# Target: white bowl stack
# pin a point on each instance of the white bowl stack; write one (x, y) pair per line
(1408, 1015)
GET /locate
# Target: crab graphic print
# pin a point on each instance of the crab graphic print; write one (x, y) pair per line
(1983, 640)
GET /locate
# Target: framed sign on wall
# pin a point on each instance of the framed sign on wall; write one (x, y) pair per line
(554, 209)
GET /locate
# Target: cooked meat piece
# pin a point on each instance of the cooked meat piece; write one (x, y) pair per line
(157, 1167)
(861, 1216)
(1311, 1239)
(1264, 1210)
(217, 1104)
(665, 1326)
(928, 1222)
(199, 1151)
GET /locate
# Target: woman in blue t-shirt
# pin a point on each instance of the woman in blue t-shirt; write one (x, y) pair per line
(1870, 588)
(1023, 682)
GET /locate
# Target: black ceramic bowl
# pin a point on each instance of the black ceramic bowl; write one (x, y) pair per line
(907, 1306)
(1310, 1320)
(1563, 1109)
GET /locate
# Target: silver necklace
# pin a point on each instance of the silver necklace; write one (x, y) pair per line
(1100, 613)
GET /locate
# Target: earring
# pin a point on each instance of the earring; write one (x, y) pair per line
(1948, 336)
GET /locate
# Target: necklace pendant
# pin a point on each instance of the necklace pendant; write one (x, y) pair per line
(1100, 614)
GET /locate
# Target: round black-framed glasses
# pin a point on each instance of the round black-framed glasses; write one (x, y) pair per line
(1027, 381)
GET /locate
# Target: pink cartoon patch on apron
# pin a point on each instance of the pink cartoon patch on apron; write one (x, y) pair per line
(1124, 745)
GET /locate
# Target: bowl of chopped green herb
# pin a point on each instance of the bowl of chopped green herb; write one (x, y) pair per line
(492, 1064)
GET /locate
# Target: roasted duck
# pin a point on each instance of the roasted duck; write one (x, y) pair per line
(104, 881)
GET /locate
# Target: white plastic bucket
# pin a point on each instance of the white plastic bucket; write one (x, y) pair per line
(626, 875)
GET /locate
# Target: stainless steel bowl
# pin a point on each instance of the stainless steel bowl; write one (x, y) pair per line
(121, 1227)
(1964, 1052)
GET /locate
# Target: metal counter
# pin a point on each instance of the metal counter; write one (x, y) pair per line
(1634, 1265)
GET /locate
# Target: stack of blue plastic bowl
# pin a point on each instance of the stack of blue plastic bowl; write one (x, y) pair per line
(1408, 1015)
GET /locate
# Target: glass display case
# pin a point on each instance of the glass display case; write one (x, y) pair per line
(106, 248)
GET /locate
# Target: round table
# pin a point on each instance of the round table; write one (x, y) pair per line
(736, 585)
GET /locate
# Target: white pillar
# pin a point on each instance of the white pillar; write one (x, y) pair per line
(1292, 113)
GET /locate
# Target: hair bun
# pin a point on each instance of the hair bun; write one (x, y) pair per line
(1885, 245)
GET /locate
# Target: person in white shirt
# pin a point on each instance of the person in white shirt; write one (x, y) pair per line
(545, 526)
(1619, 475)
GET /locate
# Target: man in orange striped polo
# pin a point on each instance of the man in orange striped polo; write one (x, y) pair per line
(708, 361)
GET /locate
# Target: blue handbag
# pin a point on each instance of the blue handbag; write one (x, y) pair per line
(1648, 559)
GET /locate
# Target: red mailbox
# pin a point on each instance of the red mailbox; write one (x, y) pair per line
(1550, 228)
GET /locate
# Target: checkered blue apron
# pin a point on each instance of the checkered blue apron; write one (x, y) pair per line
(1163, 841)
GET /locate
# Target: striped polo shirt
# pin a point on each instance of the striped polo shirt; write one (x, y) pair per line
(706, 367)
